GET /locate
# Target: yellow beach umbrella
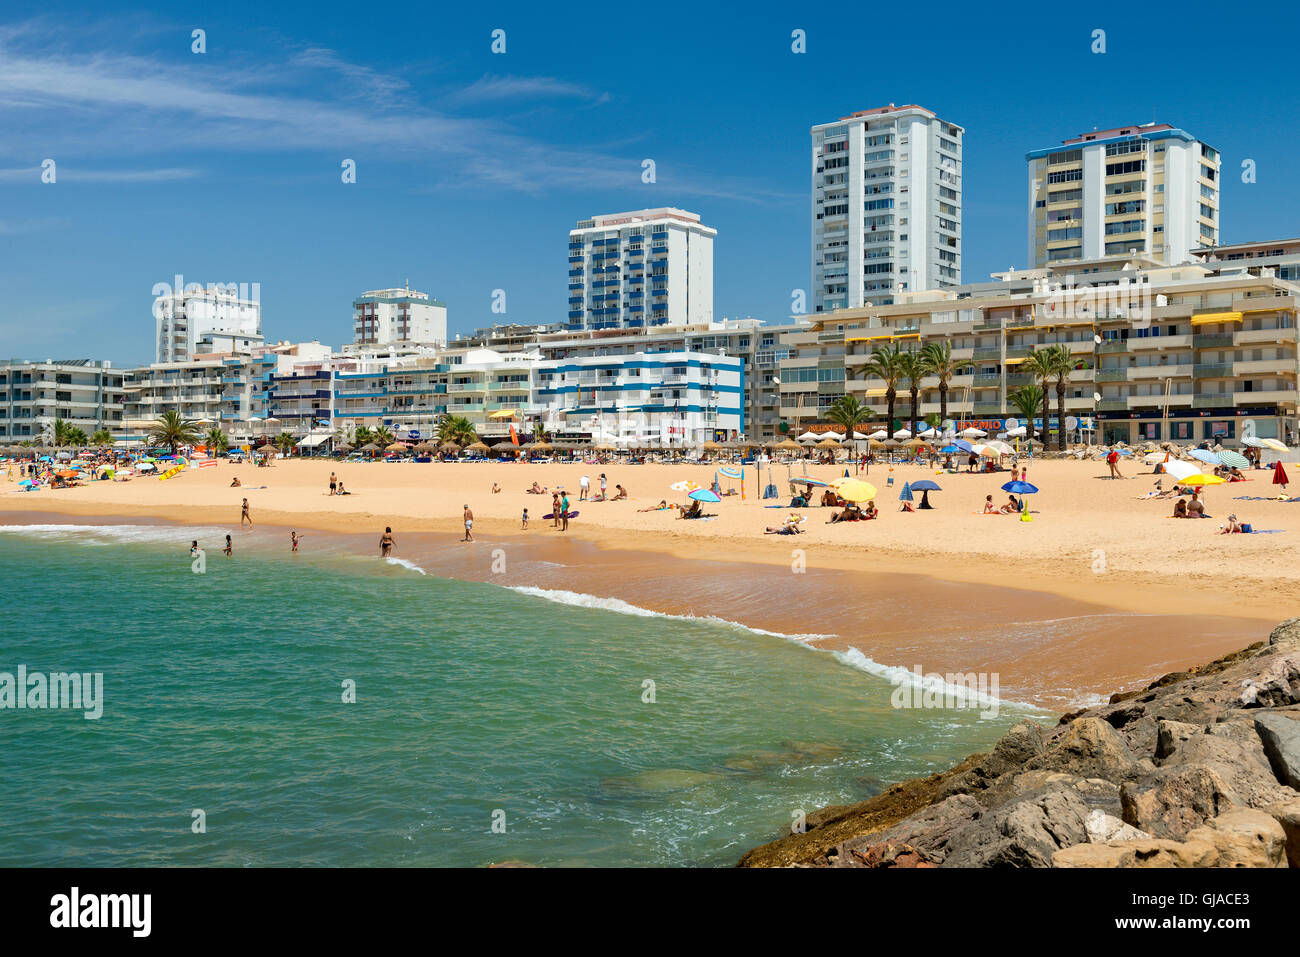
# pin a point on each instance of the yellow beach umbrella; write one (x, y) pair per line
(685, 486)
(1200, 479)
(1274, 444)
(855, 490)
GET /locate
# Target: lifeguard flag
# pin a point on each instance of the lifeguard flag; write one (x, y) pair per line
(513, 436)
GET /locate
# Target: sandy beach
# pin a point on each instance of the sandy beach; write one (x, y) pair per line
(1091, 539)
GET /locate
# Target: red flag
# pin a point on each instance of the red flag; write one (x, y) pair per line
(513, 437)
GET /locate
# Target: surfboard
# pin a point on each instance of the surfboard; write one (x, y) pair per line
(552, 515)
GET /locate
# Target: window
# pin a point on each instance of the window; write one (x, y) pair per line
(1067, 156)
(1131, 166)
(1068, 176)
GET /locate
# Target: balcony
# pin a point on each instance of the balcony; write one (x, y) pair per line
(1211, 400)
(1212, 340)
(1244, 337)
(1112, 346)
(1158, 372)
(985, 354)
(1160, 342)
(1113, 405)
(1111, 375)
(1213, 370)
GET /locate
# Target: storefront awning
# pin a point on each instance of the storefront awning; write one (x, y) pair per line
(1205, 318)
(311, 441)
(503, 414)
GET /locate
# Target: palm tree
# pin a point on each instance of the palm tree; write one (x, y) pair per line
(458, 429)
(848, 412)
(102, 437)
(1041, 364)
(539, 431)
(938, 357)
(883, 364)
(173, 431)
(216, 440)
(1025, 400)
(1062, 364)
(286, 442)
(382, 436)
(61, 430)
(912, 367)
(362, 435)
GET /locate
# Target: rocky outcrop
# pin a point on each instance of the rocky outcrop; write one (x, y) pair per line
(1200, 768)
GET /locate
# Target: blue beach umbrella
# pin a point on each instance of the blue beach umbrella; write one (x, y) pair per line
(950, 449)
(704, 495)
(729, 472)
(1234, 459)
(906, 494)
(963, 445)
(925, 485)
(1209, 458)
(1020, 488)
(815, 483)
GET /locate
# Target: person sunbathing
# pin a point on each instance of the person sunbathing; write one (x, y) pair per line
(1232, 526)
(849, 514)
(1234, 475)
(907, 507)
(342, 490)
(989, 507)
(663, 506)
(798, 502)
(1196, 508)
(1011, 506)
(1180, 508)
(536, 489)
(622, 494)
(789, 528)
(870, 511)
(695, 511)
(830, 499)
(496, 489)
(235, 483)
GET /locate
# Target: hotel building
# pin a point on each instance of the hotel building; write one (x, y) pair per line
(183, 319)
(649, 267)
(1149, 190)
(85, 393)
(1190, 353)
(886, 206)
(384, 317)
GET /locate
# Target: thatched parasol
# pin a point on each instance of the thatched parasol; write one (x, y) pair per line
(710, 446)
(789, 444)
(370, 447)
(477, 447)
(397, 447)
(828, 444)
(345, 447)
(449, 447)
(542, 446)
(423, 447)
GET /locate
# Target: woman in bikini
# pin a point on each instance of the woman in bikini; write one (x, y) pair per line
(386, 543)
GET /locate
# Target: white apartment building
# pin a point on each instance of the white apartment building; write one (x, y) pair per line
(648, 267)
(85, 393)
(223, 311)
(1147, 190)
(886, 206)
(384, 317)
(666, 398)
(216, 391)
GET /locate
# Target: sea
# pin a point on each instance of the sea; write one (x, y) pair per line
(332, 708)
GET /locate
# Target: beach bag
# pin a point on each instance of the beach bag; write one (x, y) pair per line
(1245, 527)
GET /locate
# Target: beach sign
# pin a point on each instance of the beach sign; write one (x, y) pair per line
(176, 469)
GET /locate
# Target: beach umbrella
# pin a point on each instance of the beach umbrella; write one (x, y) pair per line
(963, 446)
(476, 447)
(1234, 459)
(973, 433)
(396, 447)
(879, 434)
(704, 495)
(855, 490)
(730, 472)
(449, 447)
(1000, 446)
(815, 483)
(1018, 432)
(928, 433)
(1198, 480)
(1180, 470)
(858, 437)
(832, 434)
(925, 485)
(423, 447)
(906, 494)
(790, 444)
(902, 434)
(809, 436)
(1274, 444)
(686, 485)
(1020, 488)
(828, 444)
(1209, 458)
(1253, 442)
(1279, 474)
(1151, 458)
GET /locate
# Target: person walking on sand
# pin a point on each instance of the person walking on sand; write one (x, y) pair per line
(244, 516)
(469, 525)
(1112, 459)
(584, 484)
(386, 543)
(334, 483)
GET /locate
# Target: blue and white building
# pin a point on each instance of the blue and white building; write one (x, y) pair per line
(671, 398)
(649, 267)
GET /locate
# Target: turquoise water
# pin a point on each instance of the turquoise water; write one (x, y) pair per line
(223, 692)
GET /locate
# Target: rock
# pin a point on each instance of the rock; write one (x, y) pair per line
(1286, 636)
(929, 831)
(1105, 828)
(1288, 816)
(1280, 736)
(1175, 800)
(1169, 734)
(1278, 683)
(884, 854)
(1237, 758)
(1145, 852)
(1023, 834)
(1244, 837)
(1089, 747)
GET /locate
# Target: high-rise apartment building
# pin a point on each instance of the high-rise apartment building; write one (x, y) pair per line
(649, 267)
(187, 315)
(1148, 190)
(886, 204)
(400, 315)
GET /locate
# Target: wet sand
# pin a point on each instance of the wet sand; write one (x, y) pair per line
(1050, 650)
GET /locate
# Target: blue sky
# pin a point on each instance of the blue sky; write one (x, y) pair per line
(472, 166)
